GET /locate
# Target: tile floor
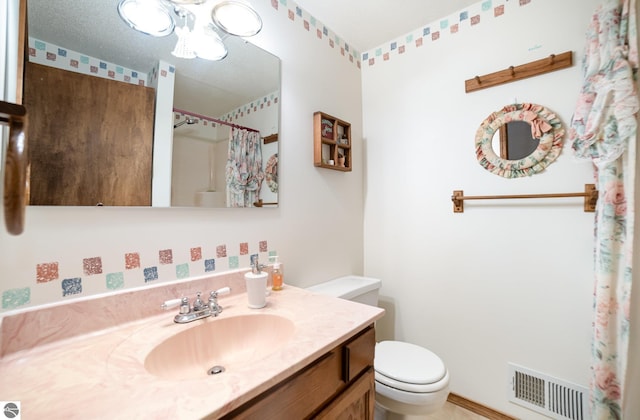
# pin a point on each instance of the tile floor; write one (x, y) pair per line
(454, 412)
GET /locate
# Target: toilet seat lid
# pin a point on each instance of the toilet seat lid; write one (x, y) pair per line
(408, 363)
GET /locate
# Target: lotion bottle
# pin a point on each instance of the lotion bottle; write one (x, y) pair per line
(277, 280)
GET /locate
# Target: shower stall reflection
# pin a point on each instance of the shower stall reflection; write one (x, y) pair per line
(203, 164)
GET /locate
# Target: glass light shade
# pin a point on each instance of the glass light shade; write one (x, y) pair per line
(183, 47)
(146, 16)
(183, 2)
(208, 45)
(236, 18)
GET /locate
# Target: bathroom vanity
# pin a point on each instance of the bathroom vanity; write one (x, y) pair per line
(338, 384)
(303, 355)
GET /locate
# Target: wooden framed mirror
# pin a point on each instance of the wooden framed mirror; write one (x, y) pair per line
(536, 152)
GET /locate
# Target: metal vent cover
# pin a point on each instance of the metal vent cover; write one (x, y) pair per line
(547, 395)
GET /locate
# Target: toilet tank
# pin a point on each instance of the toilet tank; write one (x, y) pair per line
(355, 288)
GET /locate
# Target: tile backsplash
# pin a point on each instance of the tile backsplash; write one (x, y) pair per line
(133, 270)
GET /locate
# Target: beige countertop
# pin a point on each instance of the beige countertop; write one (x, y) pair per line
(101, 373)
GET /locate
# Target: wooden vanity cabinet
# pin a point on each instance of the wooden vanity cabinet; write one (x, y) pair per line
(338, 385)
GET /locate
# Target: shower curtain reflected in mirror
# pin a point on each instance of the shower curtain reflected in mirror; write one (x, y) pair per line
(244, 173)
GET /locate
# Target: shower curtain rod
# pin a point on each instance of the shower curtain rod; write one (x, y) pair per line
(215, 120)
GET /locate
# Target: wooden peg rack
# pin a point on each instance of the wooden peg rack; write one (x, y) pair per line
(590, 195)
(552, 63)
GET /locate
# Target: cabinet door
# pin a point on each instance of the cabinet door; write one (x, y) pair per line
(91, 139)
(298, 397)
(356, 402)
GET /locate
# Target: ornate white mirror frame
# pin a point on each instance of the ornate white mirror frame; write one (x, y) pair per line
(545, 126)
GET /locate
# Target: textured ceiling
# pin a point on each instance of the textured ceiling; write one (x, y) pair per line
(366, 24)
(94, 28)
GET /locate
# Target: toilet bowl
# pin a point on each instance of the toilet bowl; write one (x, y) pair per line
(410, 381)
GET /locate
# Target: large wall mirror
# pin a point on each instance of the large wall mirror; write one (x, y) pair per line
(242, 90)
(519, 140)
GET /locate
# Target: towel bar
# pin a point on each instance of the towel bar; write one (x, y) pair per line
(590, 195)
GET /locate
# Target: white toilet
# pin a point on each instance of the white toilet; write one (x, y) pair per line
(411, 381)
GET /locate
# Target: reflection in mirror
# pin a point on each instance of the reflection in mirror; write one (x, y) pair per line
(241, 90)
(514, 140)
(544, 126)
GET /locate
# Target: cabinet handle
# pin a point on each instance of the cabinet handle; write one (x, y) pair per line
(346, 365)
(16, 193)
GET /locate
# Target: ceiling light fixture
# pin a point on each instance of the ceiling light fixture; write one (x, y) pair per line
(157, 18)
(183, 2)
(146, 16)
(207, 44)
(236, 18)
(183, 48)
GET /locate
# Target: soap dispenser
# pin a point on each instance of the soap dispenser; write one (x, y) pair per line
(256, 281)
(277, 277)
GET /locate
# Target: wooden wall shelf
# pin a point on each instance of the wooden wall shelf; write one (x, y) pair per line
(331, 142)
(552, 63)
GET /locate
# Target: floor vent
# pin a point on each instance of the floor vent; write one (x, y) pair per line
(546, 395)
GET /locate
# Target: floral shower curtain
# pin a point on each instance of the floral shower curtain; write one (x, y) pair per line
(244, 172)
(604, 130)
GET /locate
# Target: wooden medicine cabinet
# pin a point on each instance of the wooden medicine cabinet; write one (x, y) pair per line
(331, 142)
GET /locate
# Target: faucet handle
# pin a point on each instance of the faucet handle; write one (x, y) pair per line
(171, 303)
(184, 306)
(213, 300)
(221, 291)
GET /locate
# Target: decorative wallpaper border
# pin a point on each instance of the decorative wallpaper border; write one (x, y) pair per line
(48, 54)
(254, 106)
(312, 25)
(133, 271)
(447, 26)
(432, 32)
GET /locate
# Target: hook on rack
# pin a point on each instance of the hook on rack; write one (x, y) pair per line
(534, 68)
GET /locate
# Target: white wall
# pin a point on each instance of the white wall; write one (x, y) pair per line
(163, 81)
(505, 281)
(316, 230)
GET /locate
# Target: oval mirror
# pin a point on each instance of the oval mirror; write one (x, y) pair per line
(527, 138)
(514, 140)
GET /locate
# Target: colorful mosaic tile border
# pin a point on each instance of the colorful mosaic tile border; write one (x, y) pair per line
(257, 105)
(233, 116)
(435, 31)
(45, 53)
(91, 269)
(310, 24)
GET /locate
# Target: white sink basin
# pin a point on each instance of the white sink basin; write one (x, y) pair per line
(229, 342)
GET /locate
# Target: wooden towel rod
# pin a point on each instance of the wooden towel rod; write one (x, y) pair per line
(590, 195)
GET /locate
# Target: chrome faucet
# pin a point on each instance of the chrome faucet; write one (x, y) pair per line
(199, 309)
